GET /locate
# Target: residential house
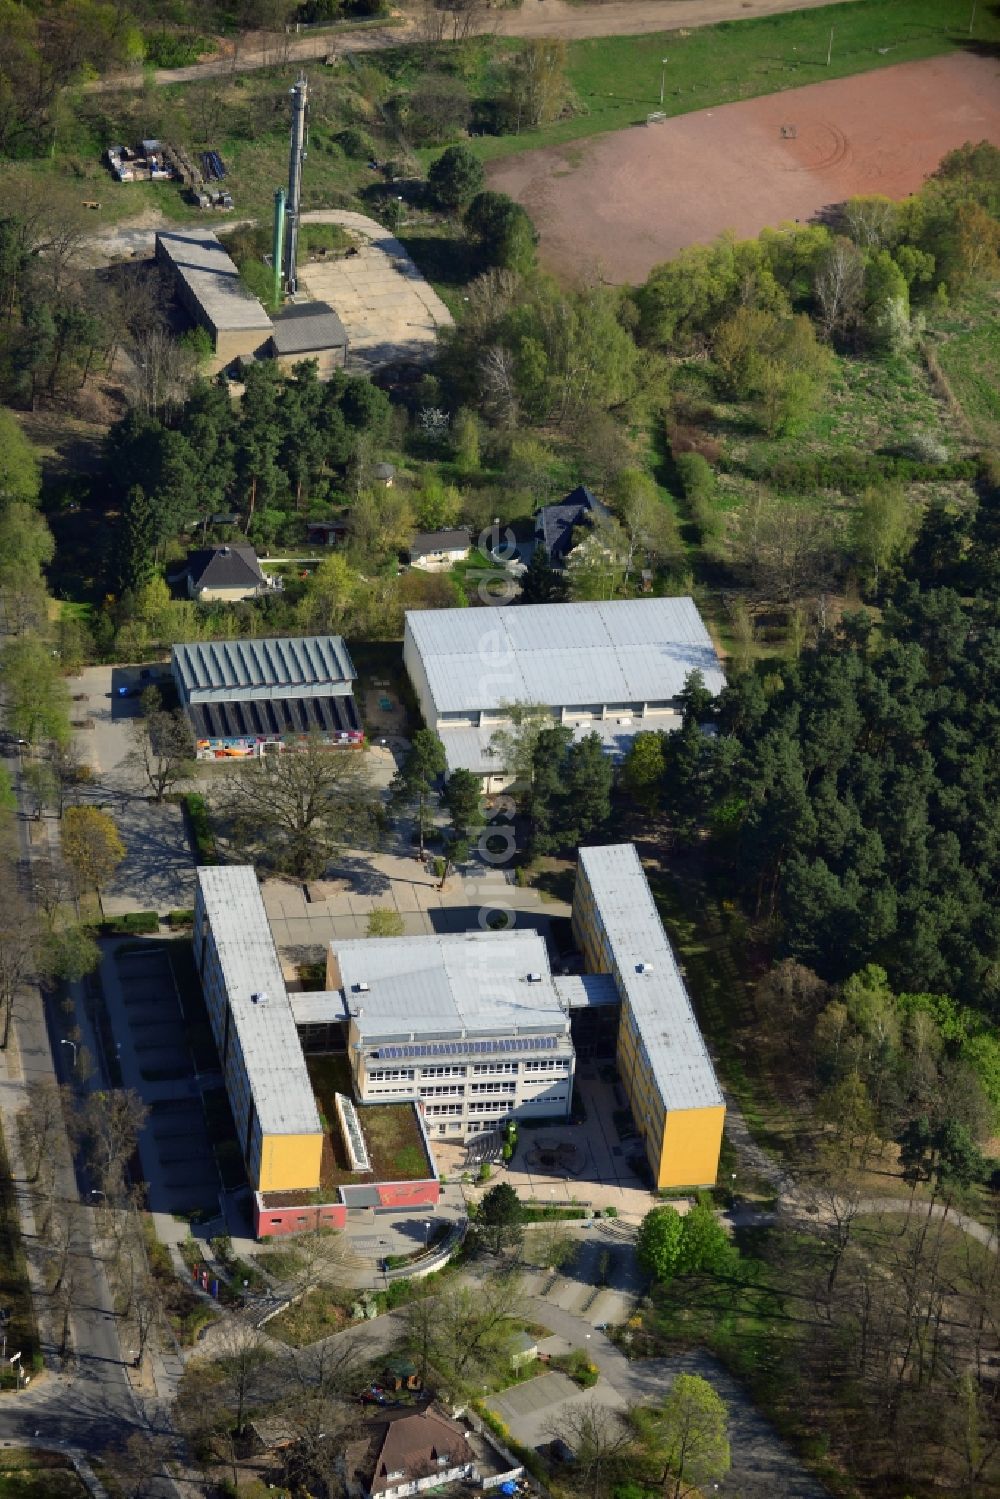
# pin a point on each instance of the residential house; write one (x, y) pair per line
(437, 551)
(409, 1452)
(556, 525)
(225, 574)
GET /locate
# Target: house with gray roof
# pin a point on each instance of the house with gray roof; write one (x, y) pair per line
(556, 525)
(225, 574)
(612, 668)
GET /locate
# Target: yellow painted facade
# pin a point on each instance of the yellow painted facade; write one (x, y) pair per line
(682, 1145)
(689, 1154)
(290, 1163)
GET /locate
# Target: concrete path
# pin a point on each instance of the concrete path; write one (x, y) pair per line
(389, 311)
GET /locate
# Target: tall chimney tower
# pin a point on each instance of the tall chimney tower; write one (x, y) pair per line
(296, 156)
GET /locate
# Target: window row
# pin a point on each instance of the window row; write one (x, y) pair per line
(446, 1090)
(442, 1072)
(390, 1074)
(444, 1108)
(483, 1068)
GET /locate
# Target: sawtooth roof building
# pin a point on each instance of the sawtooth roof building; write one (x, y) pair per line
(244, 697)
(615, 668)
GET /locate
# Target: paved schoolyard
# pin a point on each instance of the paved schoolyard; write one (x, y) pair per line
(158, 869)
(390, 312)
(309, 917)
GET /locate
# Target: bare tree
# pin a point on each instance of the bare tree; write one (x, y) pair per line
(138, 1464)
(839, 286)
(109, 1125)
(601, 1442)
(162, 745)
(42, 1121)
(18, 944)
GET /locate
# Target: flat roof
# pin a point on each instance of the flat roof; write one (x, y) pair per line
(318, 1006)
(587, 991)
(213, 280)
(468, 748)
(563, 655)
(272, 1054)
(448, 985)
(279, 667)
(658, 997)
(308, 327)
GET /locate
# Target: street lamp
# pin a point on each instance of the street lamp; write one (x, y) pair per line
(663, 77)
(427, 1233)
(73, 1044)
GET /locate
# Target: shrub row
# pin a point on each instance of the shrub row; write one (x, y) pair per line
(180, 918)
(698, 484)
(200, 828)
(849, 472)
(552, 1215)
(132, 921)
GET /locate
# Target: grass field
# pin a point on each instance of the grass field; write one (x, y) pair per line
(967, 343)
(616, 80)
(29, 1474)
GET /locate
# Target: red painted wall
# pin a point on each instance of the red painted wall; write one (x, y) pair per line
(408, 1194)
(270, 1222)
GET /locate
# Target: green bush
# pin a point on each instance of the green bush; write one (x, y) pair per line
(356, 143)
(611, 1212)
(168, 50)
(180, 918)
(200, 828)
(132, 921)
(849, 473)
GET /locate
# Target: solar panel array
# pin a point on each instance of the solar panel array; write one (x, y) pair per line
(463, 1048)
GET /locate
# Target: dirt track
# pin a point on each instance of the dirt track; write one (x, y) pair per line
(533, 18)
(611, 208)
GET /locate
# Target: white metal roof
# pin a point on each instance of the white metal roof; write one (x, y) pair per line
(470, 749)
(278, 666)
(213, 280)
(448, 985)
(658, 998)
(624, 651)
(272, 1054)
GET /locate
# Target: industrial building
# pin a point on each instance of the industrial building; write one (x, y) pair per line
(472, 1025)
(208, 285)
(663, 1063)
(250, 697)
(309, 330)
(614, 669)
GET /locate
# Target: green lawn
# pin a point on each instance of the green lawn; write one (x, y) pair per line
(617, 79)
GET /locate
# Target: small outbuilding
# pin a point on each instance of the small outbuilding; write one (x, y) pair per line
(436, 551)
(309, 330)
(225, 574)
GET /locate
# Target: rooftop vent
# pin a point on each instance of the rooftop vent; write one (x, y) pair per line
(644, 968)
(260, 998)
(362, 986)
(534, 978)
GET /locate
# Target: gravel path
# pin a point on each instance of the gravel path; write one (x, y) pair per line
(534, 18)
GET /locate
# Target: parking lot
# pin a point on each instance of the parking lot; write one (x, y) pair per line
(149, 1029)
(157, 873)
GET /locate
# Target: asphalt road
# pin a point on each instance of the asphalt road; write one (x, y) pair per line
(91, 1404)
